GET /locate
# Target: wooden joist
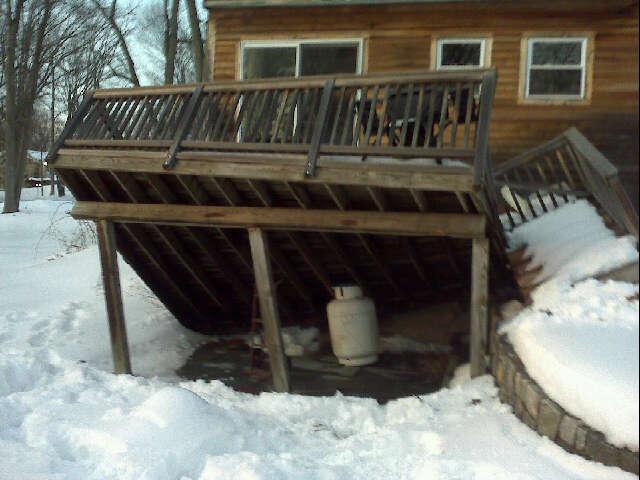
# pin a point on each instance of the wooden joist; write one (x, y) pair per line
(350, 221)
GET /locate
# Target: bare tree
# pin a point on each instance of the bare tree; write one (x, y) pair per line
(27, 23)
(197, 44)
(115, 20)
(166, 41)
(170, 13)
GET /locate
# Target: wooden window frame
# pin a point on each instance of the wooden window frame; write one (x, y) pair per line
(297, 44)
(485, 45)
(586, 66)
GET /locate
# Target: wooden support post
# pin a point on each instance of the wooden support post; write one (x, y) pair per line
(269, 308)
(479, 304)
(113, 296)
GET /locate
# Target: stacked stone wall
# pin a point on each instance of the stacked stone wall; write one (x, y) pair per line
(534, 407)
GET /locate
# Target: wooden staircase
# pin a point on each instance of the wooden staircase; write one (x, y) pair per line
(544, 178)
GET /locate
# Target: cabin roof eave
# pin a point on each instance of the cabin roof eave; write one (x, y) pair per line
(234, 4)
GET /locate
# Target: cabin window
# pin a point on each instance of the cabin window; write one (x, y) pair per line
(300, 58)
(556, 68)
(460, 53)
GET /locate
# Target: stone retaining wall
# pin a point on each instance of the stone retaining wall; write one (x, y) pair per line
(538, 411)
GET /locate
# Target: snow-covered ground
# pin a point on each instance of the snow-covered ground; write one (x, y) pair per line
(64, 416)
(579, 338)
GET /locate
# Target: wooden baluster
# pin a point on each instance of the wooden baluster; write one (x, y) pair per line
(405, 118)
(166, 102)
(519, 180)
(336, 120)
(347, 124)
(372, 114)
(527, 169)
(283, 98)
(140, 121)
(301, 112)
(314, 104)
(557, 179)
(545, 180)
(196, 126)
(468, 114)
(444, 110)
(456, 114)
(523, 218)
(174, 117)
(419, 110)
(431, 113)
(149, 119)
(356, 130)
(383, 116)
(226, 116)
(290, 118)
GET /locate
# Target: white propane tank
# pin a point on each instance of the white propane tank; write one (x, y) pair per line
(353, 326)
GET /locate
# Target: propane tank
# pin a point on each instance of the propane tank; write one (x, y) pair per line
(353, 326)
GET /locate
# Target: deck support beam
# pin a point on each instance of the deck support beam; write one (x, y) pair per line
(273, 218)
(479, 304)
(113, 296)
(265, 287)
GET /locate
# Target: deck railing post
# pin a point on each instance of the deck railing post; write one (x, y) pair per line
(487, 93)
(183, 127)
(113, 296)
(314, 149)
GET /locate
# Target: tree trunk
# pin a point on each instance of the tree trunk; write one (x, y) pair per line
(171, 42)
(197, 45)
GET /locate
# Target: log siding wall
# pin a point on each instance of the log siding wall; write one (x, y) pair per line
(400, 37)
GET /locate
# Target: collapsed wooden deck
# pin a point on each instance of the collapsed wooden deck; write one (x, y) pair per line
(289, 187)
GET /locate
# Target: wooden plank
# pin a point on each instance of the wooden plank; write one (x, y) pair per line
(113, 296)
(479, 304)
(350, 221)
(400, 176)
(269, 309)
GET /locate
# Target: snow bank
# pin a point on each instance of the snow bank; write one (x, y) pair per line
(579, 338)
(72, 421)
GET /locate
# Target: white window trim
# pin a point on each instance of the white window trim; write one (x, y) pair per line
(450, 40)
(297, 44)
(582, 66)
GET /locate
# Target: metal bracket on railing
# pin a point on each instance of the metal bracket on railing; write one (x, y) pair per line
(314, 149)
(183, 128)
(69, 128)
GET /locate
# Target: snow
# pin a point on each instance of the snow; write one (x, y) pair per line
(64, 416)
(572, 243)
(579, 337)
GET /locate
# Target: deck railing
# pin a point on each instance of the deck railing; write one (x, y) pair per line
(421, 114)
(567, 168)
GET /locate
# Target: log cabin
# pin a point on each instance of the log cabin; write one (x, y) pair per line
(561, 63)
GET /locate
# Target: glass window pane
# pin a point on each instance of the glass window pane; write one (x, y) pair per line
(555, 82)
(460, 54)
(268, 62)
(557, 53)
(328, 58)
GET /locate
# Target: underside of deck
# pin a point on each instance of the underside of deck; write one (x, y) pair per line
(204, 273)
